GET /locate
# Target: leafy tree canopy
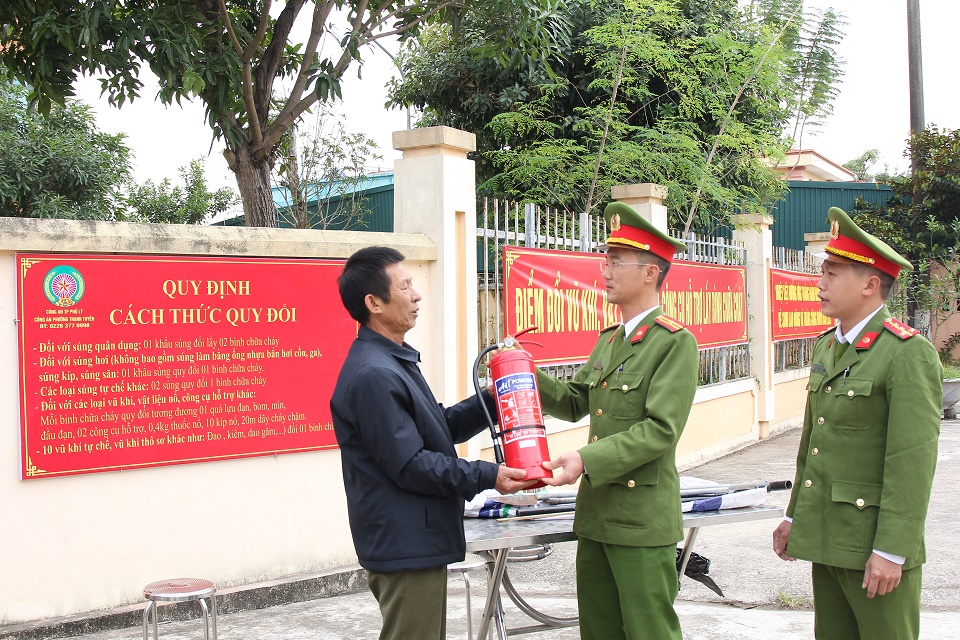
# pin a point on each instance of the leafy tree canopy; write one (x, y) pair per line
(920, 221)
(693, 95)
(860, 166)
(244, 59)
(58, 165)
(165, 202)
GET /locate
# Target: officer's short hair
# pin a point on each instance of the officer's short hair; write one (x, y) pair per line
(652, 258)
(887, 281)
(366, 273)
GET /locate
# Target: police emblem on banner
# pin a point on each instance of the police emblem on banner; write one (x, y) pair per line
(63, 285)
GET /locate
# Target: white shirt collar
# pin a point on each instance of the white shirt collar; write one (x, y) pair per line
(631, 325)
(851, 336)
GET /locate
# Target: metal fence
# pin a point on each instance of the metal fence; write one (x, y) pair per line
(797, 353)
(508, 223)
(719, 364)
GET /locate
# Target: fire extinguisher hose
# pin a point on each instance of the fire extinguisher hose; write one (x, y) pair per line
(497, 448)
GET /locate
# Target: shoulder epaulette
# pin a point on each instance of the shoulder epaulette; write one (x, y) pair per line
(669, 323)
(899, 329)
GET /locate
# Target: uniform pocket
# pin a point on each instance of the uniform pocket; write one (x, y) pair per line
(623, 397)
(813, 384)
(854, 405)
(632, 497)
(852, 520)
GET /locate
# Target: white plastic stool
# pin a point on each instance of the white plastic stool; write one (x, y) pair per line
(180, 590)
(470, 562)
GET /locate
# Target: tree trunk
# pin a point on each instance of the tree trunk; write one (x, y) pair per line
(253, 182)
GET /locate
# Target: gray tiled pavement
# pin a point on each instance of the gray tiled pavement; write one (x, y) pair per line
(758, 586)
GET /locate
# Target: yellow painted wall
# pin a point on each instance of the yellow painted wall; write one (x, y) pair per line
(791, 398)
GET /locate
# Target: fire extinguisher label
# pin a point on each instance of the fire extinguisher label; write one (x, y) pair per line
(518, 402)
(526, 437)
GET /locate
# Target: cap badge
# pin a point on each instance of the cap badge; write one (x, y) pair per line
(615, 222)
(835, 229)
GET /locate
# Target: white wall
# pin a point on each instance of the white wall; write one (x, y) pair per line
(78, 543)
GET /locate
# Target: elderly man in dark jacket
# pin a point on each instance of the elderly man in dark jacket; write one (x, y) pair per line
(405, 484)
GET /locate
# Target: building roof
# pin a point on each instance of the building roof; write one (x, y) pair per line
(809, 164)
(335, 189)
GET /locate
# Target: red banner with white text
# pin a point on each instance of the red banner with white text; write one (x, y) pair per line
(795, 306)
(562, 293)
(139, 361)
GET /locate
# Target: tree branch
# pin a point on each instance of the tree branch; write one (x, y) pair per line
(256, 136)
(606, 125)
(723, 126)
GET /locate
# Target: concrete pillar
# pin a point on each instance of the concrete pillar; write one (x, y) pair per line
(816, 242)
(646, 199)
(435, 194)
(753, 230)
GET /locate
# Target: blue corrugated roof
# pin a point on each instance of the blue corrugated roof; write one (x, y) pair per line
(281, 195)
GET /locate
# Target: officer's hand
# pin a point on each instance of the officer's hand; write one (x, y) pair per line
(510, 480)
(881, 576)
(781, 535)
(572, 465)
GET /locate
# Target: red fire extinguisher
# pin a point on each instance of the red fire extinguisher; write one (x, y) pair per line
(523, 436)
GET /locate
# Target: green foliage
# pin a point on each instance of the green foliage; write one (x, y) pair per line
(694, 96)
(947, 359)
(192, 203)
(322, 173)
(815, 69)
(860, 166)
(233, 54)
(920, 221)
(57, 165)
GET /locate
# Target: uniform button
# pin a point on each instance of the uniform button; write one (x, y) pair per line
(604, 385)
(808, 484)
(594, 438)
(631, 484)
(625, 388)
(599, 412)
(820, 420)
(815, 451)
(851, 393)
(860, 502)
(828, 389)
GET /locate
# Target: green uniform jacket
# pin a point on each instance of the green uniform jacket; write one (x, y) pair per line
(868, 449)
(638, 393)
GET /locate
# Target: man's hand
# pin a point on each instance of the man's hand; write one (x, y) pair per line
(781, 536)
(510, 480)
(572, 465)
(881, 576)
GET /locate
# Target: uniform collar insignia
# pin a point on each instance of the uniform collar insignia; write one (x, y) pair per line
(867, 340)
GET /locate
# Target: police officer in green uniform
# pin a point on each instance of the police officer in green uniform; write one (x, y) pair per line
(638, 387)
(868, 450)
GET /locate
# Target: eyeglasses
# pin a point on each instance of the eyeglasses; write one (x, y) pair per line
(616, 265)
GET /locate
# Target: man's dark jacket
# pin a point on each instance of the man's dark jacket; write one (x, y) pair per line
(405, 484)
